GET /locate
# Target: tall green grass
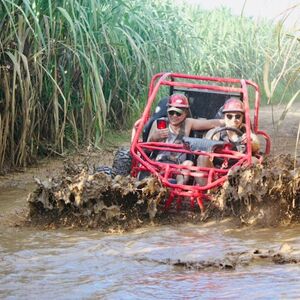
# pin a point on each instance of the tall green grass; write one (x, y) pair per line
(282, 69)
(70, 69)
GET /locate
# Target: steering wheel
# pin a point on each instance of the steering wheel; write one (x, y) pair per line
(221, 129)
(239, 146)
(238, 143)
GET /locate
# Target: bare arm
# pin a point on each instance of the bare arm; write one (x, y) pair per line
(255, 144)
(202, 124)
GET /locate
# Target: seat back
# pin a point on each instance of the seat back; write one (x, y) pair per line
(159, 112)
(203, 104)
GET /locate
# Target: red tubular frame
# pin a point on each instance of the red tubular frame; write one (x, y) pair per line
(216, 177)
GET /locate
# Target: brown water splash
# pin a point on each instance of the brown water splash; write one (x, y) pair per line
(267, 194)
(94, 201)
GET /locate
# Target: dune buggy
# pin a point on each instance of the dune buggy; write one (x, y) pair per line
(206, 96)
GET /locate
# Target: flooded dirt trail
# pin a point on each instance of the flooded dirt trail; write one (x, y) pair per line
(212, 260)
(65, 264)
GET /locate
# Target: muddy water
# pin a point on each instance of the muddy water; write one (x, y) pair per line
(67, 264)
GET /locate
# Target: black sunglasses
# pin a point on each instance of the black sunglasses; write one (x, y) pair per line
(172, 113)
(236, 116)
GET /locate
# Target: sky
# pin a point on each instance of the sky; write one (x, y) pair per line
(270, 9)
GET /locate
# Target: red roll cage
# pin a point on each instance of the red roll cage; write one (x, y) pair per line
(140, 150)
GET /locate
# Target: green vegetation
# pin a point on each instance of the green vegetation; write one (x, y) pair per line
(71, 68)
(286, 79)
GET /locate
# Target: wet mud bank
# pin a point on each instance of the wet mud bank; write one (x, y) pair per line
(264, 195)
(234, 260)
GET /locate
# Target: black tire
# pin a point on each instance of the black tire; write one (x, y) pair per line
(122, 162)
(104, 169)
(143, 174)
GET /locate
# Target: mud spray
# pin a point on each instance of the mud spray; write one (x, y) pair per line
(267, 194)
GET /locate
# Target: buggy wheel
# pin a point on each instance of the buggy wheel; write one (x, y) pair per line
(104, 169)
(122, 162)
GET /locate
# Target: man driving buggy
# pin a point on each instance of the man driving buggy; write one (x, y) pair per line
(234, 132)
(179, 125)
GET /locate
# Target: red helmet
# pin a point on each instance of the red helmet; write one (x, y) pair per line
(178, 100)
(233, 104)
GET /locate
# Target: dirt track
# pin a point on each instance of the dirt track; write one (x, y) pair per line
(283, 134)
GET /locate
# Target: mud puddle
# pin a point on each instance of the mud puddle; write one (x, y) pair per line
(146, 262)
